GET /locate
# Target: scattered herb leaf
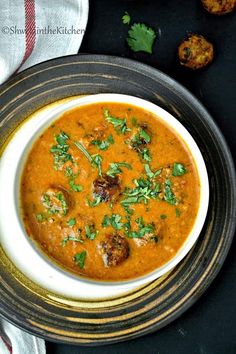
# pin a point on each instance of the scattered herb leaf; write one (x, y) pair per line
(115, 168)
(79, 259)
(71, 238)
(178, 169)
(119, 124)
(177, 212)
(163, 216)
(90, 231)
(168, 193)
(103, 144)
(114, 220)
(126, 18)
(71, 222)
(141, 38)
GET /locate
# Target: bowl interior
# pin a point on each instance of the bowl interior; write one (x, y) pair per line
(27, 257)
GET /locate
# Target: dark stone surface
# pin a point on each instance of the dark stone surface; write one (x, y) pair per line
(208, 327)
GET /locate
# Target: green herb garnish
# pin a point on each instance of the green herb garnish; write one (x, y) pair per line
(168, 193)
(97, 199)
(71, 222)
(177, 212)
(149, 172)
(90, 231)
(114, 220)
(178, 169)
(60, 151)
(143, 229)
(79, 259)
(163, 216)
(119, 124)
(95, 160)
(75, 187)
(145, 189)
(40, 217)
(126, 18)
(141, 38)
(71, 238)
(115, 168)
(103, 144)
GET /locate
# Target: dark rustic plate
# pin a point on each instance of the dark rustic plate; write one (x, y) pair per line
(157, 304)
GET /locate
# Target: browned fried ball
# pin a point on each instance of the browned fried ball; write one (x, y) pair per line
(219, 7)
(195, 52)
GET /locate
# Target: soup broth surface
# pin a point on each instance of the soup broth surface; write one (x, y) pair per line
(109, 192)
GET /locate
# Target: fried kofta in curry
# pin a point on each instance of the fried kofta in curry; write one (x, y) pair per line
(219, 7)
(195, 52)
(114, 250)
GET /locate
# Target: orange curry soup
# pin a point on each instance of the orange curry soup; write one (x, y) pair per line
(109, 192)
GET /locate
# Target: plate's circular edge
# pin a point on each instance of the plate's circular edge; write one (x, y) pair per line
(231, 171)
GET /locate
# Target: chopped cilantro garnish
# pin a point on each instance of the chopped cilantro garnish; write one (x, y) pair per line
(60, 151)
(134, 122)
(64, 205)
(103, 144)
(71, 222)
(95, 160)
(75, 187)
(168, 193)
(144, 190)
(126, 18)
(97, 199)
(177, 212)
(90, 231)
(149, 172)
(163, 216)
(71, 238)
(143, 229)
(141, 38)
(114, 220)
(143, 134)
(119, 124)
(178, 169)
(40, 217)
(145, 154)
(79, 259)
(115, 168)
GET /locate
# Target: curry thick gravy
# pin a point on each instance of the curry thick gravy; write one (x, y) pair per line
(109, 192)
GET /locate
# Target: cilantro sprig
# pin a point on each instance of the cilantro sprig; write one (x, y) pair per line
(79, 259)
(178, 169)
(60, 151)
(115, 168)
(119, 124)
(141, 38)
(103, 144)
(95, 160)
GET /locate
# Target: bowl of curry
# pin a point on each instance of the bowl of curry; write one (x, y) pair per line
(106, 191)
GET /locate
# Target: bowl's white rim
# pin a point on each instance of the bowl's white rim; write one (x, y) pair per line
(22, 250)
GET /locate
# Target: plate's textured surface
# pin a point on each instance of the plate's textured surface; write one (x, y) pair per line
(152, 307)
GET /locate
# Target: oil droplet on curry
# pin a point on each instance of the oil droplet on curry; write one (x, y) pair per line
(109, 192)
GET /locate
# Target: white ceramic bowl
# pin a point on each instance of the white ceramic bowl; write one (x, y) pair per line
(22, 250)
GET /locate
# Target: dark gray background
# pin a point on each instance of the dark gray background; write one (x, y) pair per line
(208, 327)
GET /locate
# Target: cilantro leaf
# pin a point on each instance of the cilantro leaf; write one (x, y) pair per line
(97, 200)
(178, 169)
(70, 238)
(79, 259)
(103, 144)
(177, 212)
(126, 18)
(90, 231)
(115, 168)
(75, 187)
(71, 222)
(60, 151)
(143, 229)
(141, 38)
(114, 220)
(168, 193)
(119, 124)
